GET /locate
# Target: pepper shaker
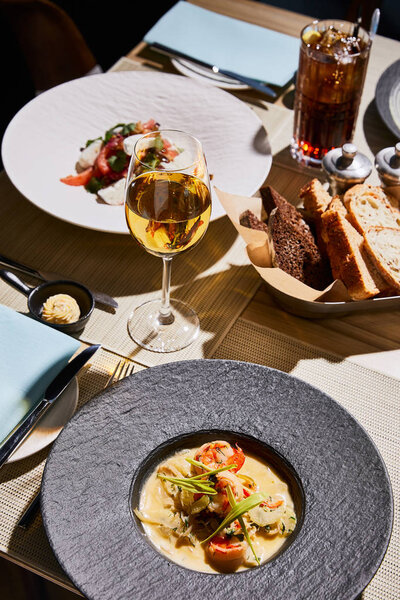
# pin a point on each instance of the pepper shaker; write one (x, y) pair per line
(345, 167)
(387, 163)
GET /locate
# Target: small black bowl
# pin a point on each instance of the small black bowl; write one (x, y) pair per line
(37, 296)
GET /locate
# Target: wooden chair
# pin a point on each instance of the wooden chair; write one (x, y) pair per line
(54, 49)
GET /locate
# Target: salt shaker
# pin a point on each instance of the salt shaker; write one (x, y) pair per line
(387, 163)
(345, 167)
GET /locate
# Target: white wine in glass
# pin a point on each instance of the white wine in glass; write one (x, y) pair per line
(167, 208)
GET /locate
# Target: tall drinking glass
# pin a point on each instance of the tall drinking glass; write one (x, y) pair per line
(167, 208)
(330, 78)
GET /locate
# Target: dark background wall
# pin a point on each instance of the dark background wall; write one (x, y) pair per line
(111, 29)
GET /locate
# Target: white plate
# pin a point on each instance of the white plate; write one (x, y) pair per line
(42, 142)
(51, 424)
(191, 69)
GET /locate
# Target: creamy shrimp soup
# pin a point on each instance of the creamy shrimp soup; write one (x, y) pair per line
(216, 509)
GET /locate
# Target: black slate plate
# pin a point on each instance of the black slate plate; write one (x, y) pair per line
(387, 97)
(86, 490)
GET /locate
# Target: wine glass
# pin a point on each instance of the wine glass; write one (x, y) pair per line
(167, 209)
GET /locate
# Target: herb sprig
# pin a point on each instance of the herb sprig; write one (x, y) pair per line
(197, 484)
(233, 503)
(237, 511)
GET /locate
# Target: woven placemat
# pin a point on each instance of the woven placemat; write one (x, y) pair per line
(20, 481)
(215, 278)
(372, 398)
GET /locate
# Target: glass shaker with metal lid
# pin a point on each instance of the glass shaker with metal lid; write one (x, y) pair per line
(387, 163)
(345, 167)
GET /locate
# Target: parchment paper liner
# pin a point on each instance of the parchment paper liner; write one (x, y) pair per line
(260, 252)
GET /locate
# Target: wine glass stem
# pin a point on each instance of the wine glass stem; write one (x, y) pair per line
(166, 317)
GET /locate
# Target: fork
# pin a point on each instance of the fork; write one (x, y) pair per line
(122, 370)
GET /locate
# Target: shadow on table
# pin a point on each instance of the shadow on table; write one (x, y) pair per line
(103, 261)
(377, 134)
(16, 469)
(280, 340)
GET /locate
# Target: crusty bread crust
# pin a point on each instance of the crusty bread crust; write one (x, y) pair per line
(368, 206)
(315, 198)
(383, 246)
(337, 205)
(349, 261)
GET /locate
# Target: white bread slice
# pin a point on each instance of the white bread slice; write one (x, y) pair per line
(383, 246)
(349, 261)
(315, 198)
(337, 205)
(368, 207)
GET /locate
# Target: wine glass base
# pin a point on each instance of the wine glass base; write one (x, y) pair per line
(146, 330)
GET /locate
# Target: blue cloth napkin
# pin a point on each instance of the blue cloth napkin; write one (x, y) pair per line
(227, 43)
(31, 355)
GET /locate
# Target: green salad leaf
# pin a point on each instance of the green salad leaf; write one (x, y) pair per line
(117, 161)
(94, 185)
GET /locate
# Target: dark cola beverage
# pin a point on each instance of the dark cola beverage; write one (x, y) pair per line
(332, 66)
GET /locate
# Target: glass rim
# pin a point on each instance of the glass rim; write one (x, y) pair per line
(331, 22)
(160, 131)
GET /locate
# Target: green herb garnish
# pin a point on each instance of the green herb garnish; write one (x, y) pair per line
(158, 142)
(240, 508)
(118, 161)
(233, 504)
(94, 185)
(197, 484)
(91, 141)
(122, 128)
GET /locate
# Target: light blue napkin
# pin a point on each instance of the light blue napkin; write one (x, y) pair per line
(228, 43)
(31, 355)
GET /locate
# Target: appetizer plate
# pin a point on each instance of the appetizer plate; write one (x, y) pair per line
(51, 424)
(99, 460)
(42, 143)
(387, 96)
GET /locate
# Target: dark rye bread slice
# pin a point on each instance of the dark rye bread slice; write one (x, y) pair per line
(272, 199)
(296, 252)
(249, 219)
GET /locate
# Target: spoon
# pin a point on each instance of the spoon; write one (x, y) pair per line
(374, 23)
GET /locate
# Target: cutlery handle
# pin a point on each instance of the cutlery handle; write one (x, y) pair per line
(30, 512)
(23, 430)
(253, 83)
(9, 262)
(15, 281)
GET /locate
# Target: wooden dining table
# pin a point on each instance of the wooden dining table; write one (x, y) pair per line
(354, 358)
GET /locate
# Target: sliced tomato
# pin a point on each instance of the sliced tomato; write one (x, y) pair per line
(80, 179)
(150, 125)
(101, 161)
(170, 153)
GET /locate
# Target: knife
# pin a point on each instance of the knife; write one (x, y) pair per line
(54, 390)
(253, 83)
(99, 297)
